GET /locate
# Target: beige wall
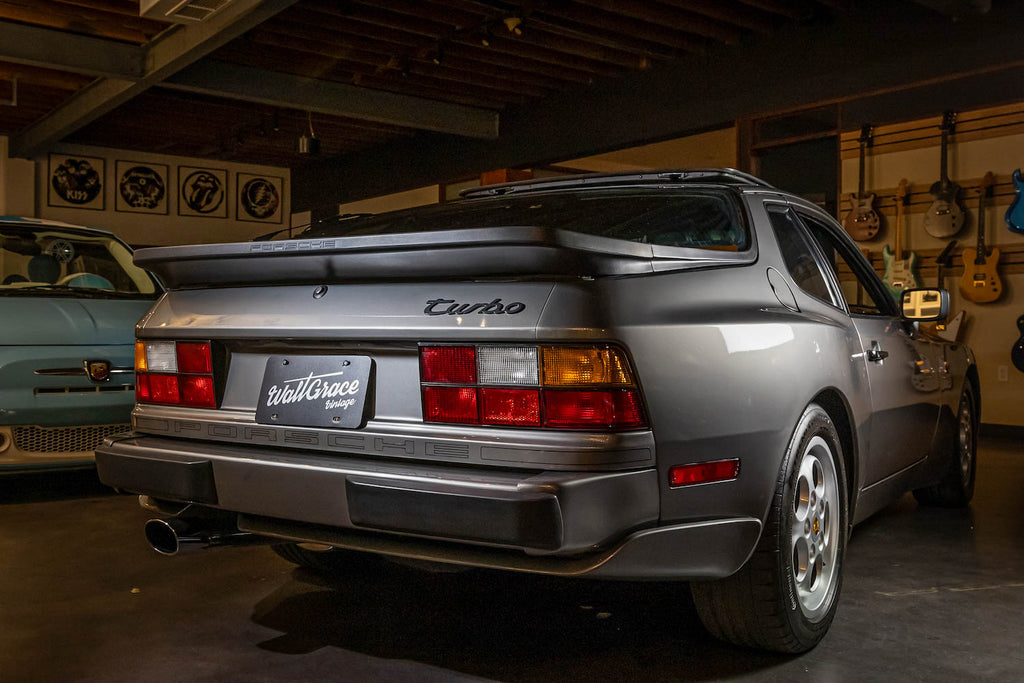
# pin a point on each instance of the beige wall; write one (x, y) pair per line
(991, 328)
(17, 184)
(393, 202)
(162, 229)
(715, 149)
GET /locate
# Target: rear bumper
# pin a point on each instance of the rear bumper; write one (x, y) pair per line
(568, 523)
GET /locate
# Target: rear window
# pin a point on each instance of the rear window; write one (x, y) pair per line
(691, 219)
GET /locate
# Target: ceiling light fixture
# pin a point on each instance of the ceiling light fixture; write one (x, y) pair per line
(309, 144)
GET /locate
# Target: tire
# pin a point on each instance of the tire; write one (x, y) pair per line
(784, 598)
(324, 559)
(956, 488)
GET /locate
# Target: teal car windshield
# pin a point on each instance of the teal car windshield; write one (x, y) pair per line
(39, 260)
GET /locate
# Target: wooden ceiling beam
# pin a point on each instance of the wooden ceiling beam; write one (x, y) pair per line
(54, 49)
(750, 19)
(82, 20)
(782, 8)
(176, 49)
(336, 99)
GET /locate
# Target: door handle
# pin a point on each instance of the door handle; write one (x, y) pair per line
(876, 354)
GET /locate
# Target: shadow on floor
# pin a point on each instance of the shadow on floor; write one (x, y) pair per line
(50, 485)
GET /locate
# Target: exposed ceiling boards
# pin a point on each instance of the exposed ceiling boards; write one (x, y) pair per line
(245, 81)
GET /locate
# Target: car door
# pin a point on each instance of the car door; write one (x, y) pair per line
(904, 367)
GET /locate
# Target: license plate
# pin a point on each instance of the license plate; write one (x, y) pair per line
(315, 391)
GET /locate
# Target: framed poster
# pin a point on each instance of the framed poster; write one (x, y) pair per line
(76, 182)
(141, 187)
(259, 198)
(202, 192)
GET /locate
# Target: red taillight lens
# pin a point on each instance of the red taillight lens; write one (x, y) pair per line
(194, 358)
(704, 472)
(185, 375)
(524, 385)
(576, 409)
(448, 364)
(450, 404)
(520, 407)
(197, 390)
(163, 388)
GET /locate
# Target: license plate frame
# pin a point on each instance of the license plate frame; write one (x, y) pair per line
(315, 391)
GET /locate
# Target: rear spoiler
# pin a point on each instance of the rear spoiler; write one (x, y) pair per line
(439, 255)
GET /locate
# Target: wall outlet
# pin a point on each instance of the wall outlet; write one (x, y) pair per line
(1003, 373)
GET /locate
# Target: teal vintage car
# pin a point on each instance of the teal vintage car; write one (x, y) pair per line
(69, 300)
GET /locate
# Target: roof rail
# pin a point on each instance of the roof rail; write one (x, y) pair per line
(723, 176)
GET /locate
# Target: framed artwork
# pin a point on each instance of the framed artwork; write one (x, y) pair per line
(76, 182)
(259, 198)
(141, 187)
(202, 192)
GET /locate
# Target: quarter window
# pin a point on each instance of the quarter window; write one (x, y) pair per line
(861, 297)
(797, 254)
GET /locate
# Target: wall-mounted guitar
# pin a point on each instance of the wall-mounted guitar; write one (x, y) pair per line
(861, 221)
(980, 282)
(1015, 214)
(944, 217)
(952, 328)
(899, 271)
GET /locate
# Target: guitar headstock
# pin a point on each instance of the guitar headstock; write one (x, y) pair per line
(903, 192)
(948, 121)
(867, 132)
(988, 184)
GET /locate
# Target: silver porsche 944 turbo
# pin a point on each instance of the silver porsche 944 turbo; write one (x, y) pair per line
(679, 376)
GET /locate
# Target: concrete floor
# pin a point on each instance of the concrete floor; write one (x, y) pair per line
(930, 595)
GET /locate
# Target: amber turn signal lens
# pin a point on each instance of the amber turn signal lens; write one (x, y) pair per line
(565, 366)
(140, 357)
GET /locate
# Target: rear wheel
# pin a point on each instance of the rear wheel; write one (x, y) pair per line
(956, 488)
(325, 559)
(785, 597)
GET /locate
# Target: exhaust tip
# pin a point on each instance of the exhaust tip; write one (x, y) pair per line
(162, 536)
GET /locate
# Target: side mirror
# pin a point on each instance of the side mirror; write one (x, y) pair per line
(924, 305)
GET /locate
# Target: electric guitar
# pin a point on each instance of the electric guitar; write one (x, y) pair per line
(944, 217)
(980, 282)
(861, 221)
(951, 328)
(900, 272)
(1015, 214)
(1017, 352)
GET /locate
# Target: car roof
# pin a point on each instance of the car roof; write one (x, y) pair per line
(697, 176)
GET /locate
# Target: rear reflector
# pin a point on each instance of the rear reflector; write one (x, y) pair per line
(704, 472)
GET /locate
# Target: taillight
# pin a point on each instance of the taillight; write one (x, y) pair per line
(174, 373)
(553, 387)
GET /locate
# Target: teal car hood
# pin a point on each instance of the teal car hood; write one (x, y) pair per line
(45, 321)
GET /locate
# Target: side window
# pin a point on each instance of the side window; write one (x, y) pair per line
(860, 298)
(797, 253)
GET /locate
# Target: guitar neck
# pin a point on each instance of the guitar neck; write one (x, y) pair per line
(899, 227)
(860, 172)
(943, 176)
(982, 251)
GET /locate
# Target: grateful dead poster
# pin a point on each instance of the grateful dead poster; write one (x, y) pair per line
(202, 192)
(140, 187)
(259, 198)
(76, 182)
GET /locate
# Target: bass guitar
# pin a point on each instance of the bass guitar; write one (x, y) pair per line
(944, 217)
(861, 221)
(900, 272)
(980, 282)
(1015, 214)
